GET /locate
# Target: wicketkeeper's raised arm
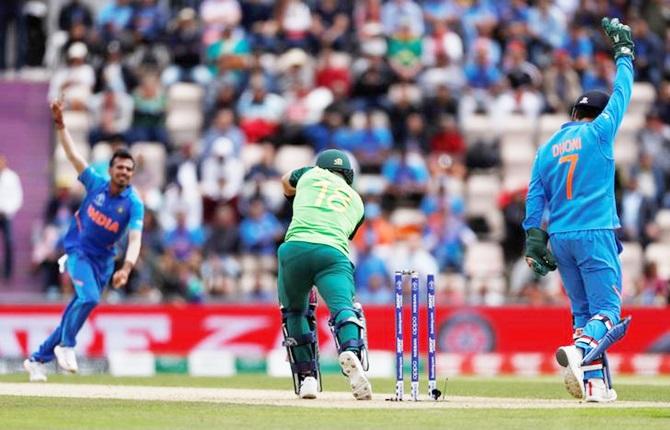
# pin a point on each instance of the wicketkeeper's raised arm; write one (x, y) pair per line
(607, 123)
(78, 162)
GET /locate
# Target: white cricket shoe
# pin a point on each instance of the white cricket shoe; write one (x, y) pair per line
(36, 370)
(66, 358)
(570, 357)
(308, 388)
(598, 392)
(351, 366)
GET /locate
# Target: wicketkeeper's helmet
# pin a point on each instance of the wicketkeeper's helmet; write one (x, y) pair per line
(590, 104)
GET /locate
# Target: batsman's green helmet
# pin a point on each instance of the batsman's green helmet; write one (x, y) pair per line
(336, 161)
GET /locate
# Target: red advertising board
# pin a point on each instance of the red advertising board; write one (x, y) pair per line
(253, 330)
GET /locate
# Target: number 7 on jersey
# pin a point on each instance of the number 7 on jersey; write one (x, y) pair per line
(572, 159)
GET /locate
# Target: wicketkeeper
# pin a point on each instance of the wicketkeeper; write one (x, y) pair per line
(573, 176)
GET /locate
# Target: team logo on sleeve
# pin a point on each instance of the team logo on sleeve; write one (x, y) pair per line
(99, 200)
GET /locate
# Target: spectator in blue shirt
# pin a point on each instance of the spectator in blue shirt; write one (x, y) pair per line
(547, 23)
(115, 18)
(649, 52)
(182, 242)
(378, 291)
(407, 176)
(650, 178)
(148, 21)
(183, 40)
(369, 266)
(600, 76)
(450, 234)
(477, 17)
(482, 73)
(260, 231)
(436, 11)
(74, 13)
(514, 11)
(330, 132)
(483, 78)
(223, 126)
(371, 144)
(396, 11)
(578, 44)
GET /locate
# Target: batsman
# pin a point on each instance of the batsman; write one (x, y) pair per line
(327, 212)
(573, 177)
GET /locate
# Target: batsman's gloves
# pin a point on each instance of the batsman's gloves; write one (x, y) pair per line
(621, 38)
(538, 256)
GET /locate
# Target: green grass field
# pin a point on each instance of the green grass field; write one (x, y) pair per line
(26, 412)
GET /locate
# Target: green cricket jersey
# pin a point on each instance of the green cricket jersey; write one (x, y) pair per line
(326, 209)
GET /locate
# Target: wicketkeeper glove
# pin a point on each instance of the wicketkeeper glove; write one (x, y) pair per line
(621, 37)
(537, 254)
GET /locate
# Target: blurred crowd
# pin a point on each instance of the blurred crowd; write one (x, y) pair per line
(393, 83)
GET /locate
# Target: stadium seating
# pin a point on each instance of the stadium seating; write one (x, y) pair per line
(481, 193)
(370, 184)
(185, 96)
(101, 151)
(291, 157)
(659, 253)
(484, 260)
(517, 152)
(642, 97)
(184, 125)
(404, 217)
(155, 158)
(477, 127)
(549, 124)
(78, 124)
(663, 221)
(632, 259)
(250, 155)
(626, 151)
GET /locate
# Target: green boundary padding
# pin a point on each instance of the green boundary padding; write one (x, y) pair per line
(171, 364)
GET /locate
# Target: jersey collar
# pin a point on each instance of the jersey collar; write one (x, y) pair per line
(124, 193)
(571, 123)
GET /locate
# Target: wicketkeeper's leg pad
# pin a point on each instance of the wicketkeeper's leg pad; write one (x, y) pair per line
(595, 357)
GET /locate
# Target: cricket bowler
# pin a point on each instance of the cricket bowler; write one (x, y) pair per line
(109, 209)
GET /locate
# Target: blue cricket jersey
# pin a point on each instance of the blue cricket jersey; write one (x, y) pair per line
(102, 219)
(573, 173)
